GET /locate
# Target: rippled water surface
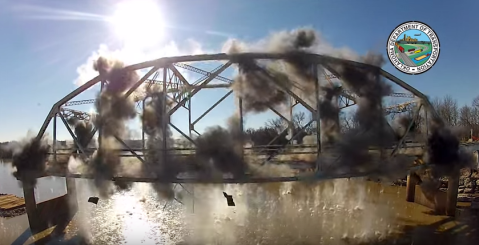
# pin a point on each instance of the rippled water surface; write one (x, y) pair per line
(334, 212)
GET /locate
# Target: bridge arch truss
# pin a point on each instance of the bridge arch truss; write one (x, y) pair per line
(165, 72)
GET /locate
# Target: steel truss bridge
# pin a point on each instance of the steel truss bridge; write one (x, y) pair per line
(165, 73)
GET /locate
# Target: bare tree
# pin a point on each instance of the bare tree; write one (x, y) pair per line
(277, 124)
(347, 121)
(465, 116)
(299, 119)
(475, 102)
(447, 109)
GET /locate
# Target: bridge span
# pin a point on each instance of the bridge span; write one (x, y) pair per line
(167, 74)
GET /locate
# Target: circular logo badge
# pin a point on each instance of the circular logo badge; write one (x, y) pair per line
(413, 47)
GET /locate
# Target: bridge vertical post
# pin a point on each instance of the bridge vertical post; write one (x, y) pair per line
(190, 127)
(241, 124)
(317, 118)
(452, 191)
(166, 119)
(189, 113)
(100, 131)
(292, 103)
(55, 138)
(143, 128)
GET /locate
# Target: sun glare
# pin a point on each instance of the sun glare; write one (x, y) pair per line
(138, 21)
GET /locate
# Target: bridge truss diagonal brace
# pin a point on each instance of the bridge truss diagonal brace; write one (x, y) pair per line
(171, 62)
(203, 84)
(56, 107)
(408, 129)
(72, 134)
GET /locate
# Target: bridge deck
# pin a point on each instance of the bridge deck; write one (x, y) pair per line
(247, 179)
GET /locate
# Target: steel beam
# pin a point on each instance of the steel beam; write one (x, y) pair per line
(57, 105)
(184, 87)
(311, 177)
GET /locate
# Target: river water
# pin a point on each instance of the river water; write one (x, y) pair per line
(334, 212)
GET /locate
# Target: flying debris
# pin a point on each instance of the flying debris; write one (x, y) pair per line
(229, 199)
(93, 200)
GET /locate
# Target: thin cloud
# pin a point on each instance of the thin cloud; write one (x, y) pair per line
(47, 13)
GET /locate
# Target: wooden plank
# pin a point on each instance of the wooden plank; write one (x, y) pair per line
(9, 202)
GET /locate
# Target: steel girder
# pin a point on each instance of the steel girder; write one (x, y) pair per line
(181, 91)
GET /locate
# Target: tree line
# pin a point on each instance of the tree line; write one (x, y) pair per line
(465, 117)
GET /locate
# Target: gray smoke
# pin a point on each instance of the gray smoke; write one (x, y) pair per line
(373, 131)
(29, 161)
(218, 150)
(444, 157)
(83, 130)
(263, 84)
(158, 159)
(223, 148)
(296, 43)
(402, 123)
(329, 113)
(444, 151)
(258, 91)
(114, 110)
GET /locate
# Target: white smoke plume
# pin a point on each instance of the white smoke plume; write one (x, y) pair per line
(330, 212)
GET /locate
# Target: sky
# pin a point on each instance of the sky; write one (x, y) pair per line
(410, 33)
(46, 44)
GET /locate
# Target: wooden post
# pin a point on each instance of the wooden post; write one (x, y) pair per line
(72, 195)
(452, 191)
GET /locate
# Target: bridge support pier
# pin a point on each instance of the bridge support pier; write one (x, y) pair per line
(410, 188)
(55, 212)
(31, 208)
(443, 203)
(452, 191)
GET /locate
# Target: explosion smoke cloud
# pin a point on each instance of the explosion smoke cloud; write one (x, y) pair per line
(29, 161)
(83, 130)
(329, 113)
(158, 159)
(444, 151)
(114, 110)
(223, 147)
(373, 130)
